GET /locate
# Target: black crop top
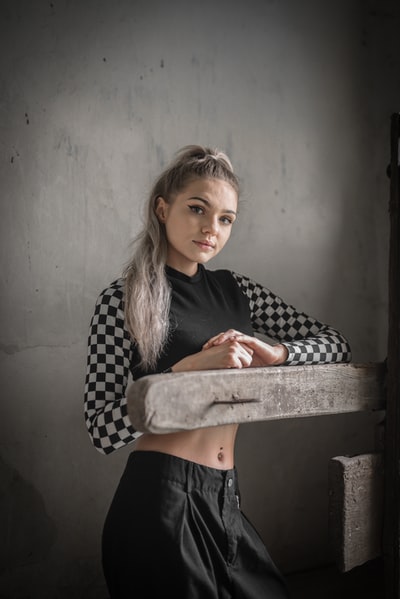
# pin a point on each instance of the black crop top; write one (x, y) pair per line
(201, 306)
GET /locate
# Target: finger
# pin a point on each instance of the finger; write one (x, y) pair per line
(241, 355)
(217, 340)
(246, 338)
(245, 359)
(212, 340)
(228, 335)
(249, 350)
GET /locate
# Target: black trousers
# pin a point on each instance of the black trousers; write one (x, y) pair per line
(175, 529)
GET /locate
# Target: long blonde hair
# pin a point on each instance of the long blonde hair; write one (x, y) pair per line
(147, 291)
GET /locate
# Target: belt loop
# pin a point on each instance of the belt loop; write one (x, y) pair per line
(189, 477)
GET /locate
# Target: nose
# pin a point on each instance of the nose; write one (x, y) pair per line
(211, 227)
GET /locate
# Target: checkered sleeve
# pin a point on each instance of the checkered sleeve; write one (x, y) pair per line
(108, 361)
(308, 341)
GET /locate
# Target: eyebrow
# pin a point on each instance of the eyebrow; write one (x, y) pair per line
(207, 203)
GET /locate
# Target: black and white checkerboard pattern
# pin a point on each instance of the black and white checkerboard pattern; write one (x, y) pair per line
(307, 340)
(109, 357)
(110, 354)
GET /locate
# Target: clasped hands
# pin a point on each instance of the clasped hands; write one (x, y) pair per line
(244, 351)
(233, 349)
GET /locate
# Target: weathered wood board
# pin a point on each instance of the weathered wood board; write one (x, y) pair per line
(356, 487)
(163, 403)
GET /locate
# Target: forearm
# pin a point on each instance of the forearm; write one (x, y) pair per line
(281, 354)
(108, 424)
(330, 347)
(108, 362)
(308, 341)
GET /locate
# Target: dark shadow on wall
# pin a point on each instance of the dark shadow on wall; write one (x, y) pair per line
(26, 530)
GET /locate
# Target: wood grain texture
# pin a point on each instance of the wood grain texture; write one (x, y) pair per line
(165, 403)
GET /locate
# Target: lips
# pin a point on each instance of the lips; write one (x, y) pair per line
(204, 245)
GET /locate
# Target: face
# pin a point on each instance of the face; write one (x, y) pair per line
(198, 222)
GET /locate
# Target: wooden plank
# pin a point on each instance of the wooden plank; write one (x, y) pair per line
(355, 509)
(392, 430)
(165, 403)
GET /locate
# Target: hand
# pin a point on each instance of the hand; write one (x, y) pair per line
(263, 354)
(229, 354)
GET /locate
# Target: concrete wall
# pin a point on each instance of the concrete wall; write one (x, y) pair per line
(95, 98)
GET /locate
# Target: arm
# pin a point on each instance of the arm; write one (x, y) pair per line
(231, 354)
(307, 340)
(109, 356)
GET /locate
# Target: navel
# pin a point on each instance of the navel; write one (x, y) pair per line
(220, 455)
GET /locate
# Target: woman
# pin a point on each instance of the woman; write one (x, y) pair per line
(175, 526)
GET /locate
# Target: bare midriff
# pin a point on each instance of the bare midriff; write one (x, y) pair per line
(213, 446)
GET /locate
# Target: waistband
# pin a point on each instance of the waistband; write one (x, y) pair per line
(154, 465)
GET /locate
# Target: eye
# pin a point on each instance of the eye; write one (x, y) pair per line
(197, 209)
(227, 220)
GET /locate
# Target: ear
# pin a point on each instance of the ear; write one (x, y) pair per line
(161, 209)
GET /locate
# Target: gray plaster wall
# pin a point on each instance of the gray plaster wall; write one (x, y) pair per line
(95, 97)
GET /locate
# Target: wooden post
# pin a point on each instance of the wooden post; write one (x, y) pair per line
(391, 541)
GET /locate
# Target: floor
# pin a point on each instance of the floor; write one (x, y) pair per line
(364, 582)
